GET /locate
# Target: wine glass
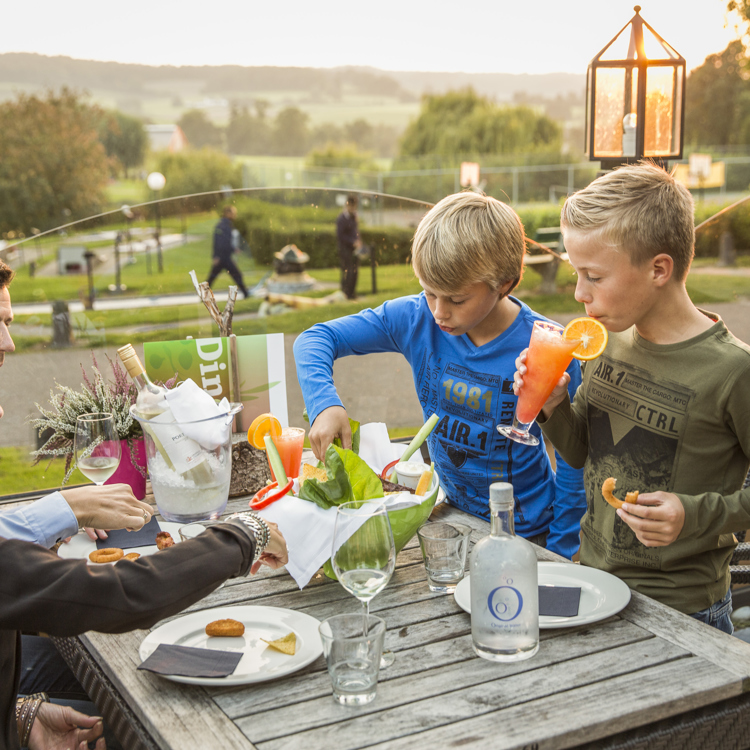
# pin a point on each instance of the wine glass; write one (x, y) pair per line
(364, 555)
(97, 446)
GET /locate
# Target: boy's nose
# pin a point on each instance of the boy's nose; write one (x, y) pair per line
(580, 295)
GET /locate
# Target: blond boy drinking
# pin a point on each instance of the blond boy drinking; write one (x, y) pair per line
(665, 409)
(460, 337)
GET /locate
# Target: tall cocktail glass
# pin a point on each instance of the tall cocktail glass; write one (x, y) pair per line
(547, 359)
(289, 445)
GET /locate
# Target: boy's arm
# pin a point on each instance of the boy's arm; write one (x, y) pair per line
(570, 496)
(567, 429)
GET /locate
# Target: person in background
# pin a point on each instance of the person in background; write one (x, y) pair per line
(347, 237)
(224, 247)
(461, 337)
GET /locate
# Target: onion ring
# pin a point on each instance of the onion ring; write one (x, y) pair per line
(608, 493)
(106, 555)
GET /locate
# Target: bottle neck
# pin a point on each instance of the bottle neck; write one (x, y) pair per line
(501, 522)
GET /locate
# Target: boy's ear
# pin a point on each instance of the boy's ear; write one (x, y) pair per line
(662, 268)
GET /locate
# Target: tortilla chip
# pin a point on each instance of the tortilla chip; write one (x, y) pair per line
(287, 644)
(310, 472)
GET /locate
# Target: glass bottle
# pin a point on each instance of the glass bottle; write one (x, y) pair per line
(180, 453)
(504, 589)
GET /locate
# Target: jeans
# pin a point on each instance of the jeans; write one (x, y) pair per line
(718, 615)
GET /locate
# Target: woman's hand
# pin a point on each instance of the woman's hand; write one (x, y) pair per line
(275, 554)
(107, 506)
(558, 395)
(331, 423)
(62, 728)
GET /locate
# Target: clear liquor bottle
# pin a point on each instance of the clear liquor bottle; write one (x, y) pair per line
(504, 589)
(180, 453)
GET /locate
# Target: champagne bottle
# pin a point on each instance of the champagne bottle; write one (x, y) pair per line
(180, 453)
(504, 593)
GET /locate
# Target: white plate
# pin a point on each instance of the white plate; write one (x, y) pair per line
(259, 663)
(602, 594)
(79, 547)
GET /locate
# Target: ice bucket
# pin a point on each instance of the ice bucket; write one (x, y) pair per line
(189, 464)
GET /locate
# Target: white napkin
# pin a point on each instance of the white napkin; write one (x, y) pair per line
(376, 448)
(190, 404)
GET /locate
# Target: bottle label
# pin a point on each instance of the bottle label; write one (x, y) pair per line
(505, 603)
(184, 453)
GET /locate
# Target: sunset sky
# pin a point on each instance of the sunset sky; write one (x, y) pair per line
(504, 36)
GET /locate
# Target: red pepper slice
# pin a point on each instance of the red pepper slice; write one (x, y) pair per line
(259, 501)
(388, 467)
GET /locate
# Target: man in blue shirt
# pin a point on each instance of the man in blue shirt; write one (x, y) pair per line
(224, 248)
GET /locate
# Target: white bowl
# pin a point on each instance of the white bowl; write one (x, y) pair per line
(409, 472)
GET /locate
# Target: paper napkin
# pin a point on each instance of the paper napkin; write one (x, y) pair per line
(190, 404)
(559, 601)
(125, 539)
(191, 662)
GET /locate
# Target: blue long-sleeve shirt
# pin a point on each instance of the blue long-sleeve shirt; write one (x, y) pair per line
(470, 388)
(44, 522)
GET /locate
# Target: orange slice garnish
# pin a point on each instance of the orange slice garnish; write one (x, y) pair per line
(592, 335)
(263, 424)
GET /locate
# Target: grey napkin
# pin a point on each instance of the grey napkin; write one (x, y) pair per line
(125, 539)
(559, 601)
(191, 662)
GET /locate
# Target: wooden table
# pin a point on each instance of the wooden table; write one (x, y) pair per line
(637, 669)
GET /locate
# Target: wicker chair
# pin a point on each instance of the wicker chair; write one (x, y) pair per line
(741, 573)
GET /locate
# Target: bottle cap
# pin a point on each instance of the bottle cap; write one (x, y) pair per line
(501, 495)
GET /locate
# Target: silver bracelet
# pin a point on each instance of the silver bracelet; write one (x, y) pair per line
(258, 526)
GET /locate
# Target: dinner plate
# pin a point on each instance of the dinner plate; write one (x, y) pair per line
(602, 594)
(259, 663)
(79, 547)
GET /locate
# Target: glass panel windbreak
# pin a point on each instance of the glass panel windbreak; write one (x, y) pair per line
(139, 290)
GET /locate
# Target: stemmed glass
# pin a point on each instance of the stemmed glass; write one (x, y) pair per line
(97, 447)
(364, 555)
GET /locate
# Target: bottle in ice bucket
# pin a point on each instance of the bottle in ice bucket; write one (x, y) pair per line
(504, 593)
(179, 452)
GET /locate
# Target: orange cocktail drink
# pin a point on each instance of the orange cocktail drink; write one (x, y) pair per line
(547, 359)
(289, 445)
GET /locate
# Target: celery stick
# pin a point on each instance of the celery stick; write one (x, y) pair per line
(275, 460)
(420, 437)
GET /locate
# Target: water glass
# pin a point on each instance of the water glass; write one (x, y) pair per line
(191, 530)
(444, 547)
(353, 658)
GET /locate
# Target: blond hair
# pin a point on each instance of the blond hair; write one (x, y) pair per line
(640, 208)
(467, 238)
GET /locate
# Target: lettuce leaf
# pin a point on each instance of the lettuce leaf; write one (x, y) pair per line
(349, 478)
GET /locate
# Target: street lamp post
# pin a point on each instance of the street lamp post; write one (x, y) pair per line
(129, 216)
(156, 181)
(635, 98)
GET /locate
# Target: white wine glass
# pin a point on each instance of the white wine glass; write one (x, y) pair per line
(364, 555)
(97, 446)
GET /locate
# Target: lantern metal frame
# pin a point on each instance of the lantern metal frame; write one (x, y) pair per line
(637, 62)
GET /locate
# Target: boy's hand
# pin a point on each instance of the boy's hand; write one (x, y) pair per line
(558, 394)
(657, 519)
(331, 423)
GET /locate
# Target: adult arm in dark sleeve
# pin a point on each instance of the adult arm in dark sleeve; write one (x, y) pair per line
(39, 591)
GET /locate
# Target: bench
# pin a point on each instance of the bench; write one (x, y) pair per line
(545, 263)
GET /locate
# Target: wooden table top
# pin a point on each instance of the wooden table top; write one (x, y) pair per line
(647, 663)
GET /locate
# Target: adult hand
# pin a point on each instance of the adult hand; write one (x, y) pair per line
(275, 554)
(657, 518)
(559, 392)
(61, 728)
(107, 506)
(331, 423)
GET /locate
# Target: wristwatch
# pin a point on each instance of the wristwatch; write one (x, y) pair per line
(258, 526)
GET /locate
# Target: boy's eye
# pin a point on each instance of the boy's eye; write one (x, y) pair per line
(592, 279)
(457, 302)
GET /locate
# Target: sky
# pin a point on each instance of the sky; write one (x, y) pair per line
(486, 36)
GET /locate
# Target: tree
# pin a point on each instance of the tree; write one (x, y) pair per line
(124, 139)
(717, 100)
(248, 133)
(290, 132)
(199, 130)
(52, 164)
(463, 123)
(341, 157)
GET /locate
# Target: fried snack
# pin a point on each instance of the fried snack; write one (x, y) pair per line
(608, 490)
(132, 556)
(225, 628)
(310, 472)
(287, 644)
(106, 555)
(164, 540)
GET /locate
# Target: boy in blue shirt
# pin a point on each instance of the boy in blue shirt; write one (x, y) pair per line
(461, 336)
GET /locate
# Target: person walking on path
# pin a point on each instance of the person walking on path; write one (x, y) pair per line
(224, 248)
(347, 236)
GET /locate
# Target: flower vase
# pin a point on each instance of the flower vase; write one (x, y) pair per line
(126, 473)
